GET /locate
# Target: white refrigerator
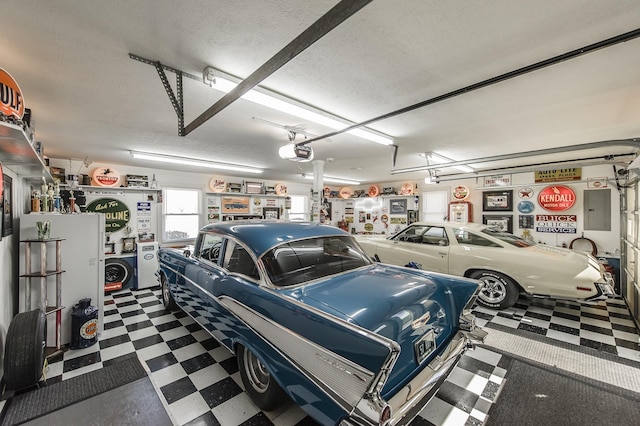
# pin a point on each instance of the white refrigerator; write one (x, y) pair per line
(82, 260)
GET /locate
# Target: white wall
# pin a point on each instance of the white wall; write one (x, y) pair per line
(606, 241)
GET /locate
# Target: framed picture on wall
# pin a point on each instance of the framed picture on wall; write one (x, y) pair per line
(496, 201)
(271, 212)
(398, 206)
(501, 222)
(7, 206)
(237, 205)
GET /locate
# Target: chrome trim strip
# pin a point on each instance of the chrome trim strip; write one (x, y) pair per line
(350, 380)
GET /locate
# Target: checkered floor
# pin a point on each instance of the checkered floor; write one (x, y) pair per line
(199, 383)
(198, 380)
(606, 326)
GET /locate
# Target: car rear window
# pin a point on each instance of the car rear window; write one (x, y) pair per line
(508, 238)
(297, 262)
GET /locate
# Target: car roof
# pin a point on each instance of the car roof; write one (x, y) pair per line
(260, 236)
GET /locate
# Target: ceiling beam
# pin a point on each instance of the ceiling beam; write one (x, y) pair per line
(334, 17)
(630, 35)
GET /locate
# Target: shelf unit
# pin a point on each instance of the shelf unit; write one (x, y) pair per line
(17, 153)
(43, 274)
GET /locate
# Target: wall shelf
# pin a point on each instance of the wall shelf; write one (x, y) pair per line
(17, 153)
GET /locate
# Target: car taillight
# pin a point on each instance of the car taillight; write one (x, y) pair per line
(385, 415)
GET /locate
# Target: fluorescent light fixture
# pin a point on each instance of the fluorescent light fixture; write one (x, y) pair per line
(194, 162)
(441, 159)
(262, 96)
(334, 180)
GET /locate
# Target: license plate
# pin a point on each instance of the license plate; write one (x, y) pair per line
(424, 346)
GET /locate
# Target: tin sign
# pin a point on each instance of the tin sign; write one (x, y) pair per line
(557, 175)
(557, 223)
(11, 100)
(497, 180)
(557, 198)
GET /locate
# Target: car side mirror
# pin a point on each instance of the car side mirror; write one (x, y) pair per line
(187, 253)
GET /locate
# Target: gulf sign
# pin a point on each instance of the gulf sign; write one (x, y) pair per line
(11, 100)
(556, 198)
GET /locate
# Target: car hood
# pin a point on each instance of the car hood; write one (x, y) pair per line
(398, 303)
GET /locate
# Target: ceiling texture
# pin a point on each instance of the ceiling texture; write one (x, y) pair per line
(481, 82)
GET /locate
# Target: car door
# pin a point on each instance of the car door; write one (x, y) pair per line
(425, 244)
(203, 274)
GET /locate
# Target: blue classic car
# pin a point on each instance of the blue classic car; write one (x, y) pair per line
(309, 315)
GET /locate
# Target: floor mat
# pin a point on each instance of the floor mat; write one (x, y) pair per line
(30, 405)
(535, 395)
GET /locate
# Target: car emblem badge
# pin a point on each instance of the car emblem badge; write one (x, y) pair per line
(421, 322)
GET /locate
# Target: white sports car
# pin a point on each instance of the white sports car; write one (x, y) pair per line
(508, 265)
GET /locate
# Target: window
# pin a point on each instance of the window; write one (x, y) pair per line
(299, 208)
(210, 247)
(469, 238)
(421, 234)
(299, 261)
(240, 261)
(181, 214)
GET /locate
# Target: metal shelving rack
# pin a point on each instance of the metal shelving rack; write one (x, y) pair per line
(43, 275)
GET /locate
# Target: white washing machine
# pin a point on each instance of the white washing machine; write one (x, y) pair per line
(147, 264)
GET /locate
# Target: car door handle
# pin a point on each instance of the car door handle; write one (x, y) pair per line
(442, 253)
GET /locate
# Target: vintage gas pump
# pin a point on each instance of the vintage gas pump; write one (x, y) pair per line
(460, 212)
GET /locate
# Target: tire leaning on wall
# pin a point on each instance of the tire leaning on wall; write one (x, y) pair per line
(24, 350)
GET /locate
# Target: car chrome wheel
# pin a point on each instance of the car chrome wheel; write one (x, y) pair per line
(498, 291)
(263, 390)
(256, 372)
(493, 291)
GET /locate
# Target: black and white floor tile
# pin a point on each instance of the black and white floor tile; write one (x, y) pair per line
(198, 380)
(606, 326)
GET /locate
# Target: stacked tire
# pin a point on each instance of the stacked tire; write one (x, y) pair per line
(24, 352)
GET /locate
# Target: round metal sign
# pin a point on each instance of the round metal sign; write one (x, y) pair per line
(11, 101)
(526, 206)
(117, 214)
(557, 198)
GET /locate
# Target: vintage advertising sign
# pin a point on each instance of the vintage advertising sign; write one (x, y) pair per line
(11, 100)
(117, 214)
(105, 176)
(460, 192)
(600, 182)
(497, 180)
(557, 198)
(557, 223)
(558, 175)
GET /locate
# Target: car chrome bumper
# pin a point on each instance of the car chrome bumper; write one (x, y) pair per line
(606, 289)
(410, 400)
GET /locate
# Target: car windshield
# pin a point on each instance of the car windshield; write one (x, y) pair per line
(508, 238)
(297, 262)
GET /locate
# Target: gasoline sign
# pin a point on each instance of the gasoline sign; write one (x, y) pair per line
(557, 198)
(116, 213)
(11, 100)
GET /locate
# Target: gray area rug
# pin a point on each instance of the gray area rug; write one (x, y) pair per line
(31, 405)
(535, 395)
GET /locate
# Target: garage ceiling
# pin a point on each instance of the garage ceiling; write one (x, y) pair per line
(90, 99)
